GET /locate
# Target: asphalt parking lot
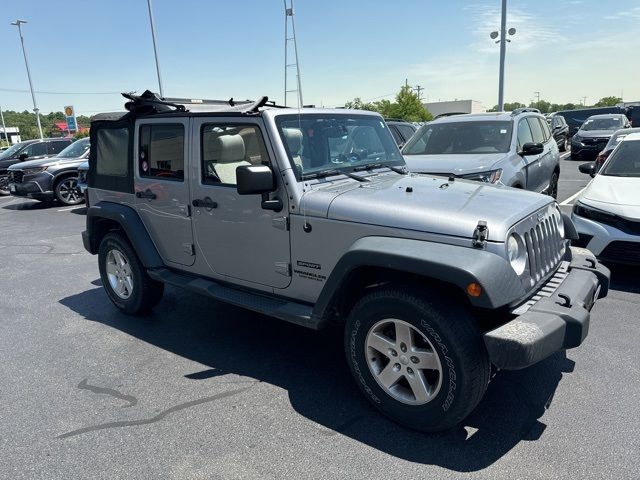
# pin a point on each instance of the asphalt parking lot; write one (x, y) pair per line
(200, 389)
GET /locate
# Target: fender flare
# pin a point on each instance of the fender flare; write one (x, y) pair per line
(455, 265)
(131, 224)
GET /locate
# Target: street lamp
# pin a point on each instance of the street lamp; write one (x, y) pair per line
(503, 49)
(17, 23)
(155, 48)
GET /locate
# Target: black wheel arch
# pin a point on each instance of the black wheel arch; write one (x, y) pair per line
(105, 217)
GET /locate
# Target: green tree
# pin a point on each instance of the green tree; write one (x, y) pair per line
(608, 102)
(407, 106)
(542, 105)
(508, 107)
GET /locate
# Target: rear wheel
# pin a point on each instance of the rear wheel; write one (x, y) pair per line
(563, 145)
(66, 191)
(418, 358)
(124, 277)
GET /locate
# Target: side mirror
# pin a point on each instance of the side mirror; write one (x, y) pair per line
(588, 168)
(532, 149)
(254, 180)
(22, 157)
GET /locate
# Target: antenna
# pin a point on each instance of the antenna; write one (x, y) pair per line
(290, 63)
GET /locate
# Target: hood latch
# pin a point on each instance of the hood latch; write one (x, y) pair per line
(480, 234)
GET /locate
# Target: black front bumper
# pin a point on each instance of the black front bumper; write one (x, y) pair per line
(38, 190)
(556, 322)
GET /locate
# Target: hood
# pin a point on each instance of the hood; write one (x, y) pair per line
(618, 195)
(424, 203)
(45, 162)
(456, 164)
(596, 133)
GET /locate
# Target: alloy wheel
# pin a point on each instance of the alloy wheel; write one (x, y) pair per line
(403, 362)
(68, 191)
(119, 274)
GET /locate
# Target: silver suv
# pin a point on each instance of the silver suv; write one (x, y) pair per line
(309, 215)
(515, 149)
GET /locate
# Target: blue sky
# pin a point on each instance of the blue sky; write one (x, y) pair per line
(565, 49)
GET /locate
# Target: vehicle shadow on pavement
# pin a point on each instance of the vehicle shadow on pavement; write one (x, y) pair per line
(311, 367)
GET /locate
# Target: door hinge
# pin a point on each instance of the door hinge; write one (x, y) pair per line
(189, 249)
(283, 268)
(281, 223)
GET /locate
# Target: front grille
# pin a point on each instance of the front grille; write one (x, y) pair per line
(16, 176)
(595, 141)
(622, 252)
(545, 247)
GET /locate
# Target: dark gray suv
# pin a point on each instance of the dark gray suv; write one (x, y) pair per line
(28, 150)
(50, 178)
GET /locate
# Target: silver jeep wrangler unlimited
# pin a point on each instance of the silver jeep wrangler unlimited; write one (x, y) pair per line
(310, 216)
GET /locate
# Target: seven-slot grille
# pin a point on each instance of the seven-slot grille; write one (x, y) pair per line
(16, 176)
(545, 247)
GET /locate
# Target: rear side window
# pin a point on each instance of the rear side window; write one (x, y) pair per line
(161, 153)
(112, 152)
(396, 134)
(536, 130)
(545, 130)
(406, 131)
(55, 148)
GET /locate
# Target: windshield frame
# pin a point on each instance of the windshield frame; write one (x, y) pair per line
(73, 145)
(422, 131)
(391, 146)
(604, 171)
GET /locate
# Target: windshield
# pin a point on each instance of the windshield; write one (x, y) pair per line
(613, 123)
(76, 149)
(624, 161)
(327, 142)
(461, 138)
(9, 152)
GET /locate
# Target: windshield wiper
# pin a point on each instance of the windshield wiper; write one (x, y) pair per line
(329, 173)
(371, 166)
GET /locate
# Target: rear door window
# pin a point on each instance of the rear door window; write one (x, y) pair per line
(536, 130)
(406, 131)
(36, 149)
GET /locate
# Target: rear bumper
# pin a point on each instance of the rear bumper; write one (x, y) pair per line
(556, 322)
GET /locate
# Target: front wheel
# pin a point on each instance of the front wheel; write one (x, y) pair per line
(418, 357)
(66, 191)
(553, 185)
(4, 185)
(124, 278)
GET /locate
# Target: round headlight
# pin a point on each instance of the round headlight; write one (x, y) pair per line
(517, 253)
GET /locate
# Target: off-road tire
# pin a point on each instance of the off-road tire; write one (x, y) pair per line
(146, 292)
(455, 337)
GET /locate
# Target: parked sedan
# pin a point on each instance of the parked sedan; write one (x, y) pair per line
(52, 178)
(607, 213)
(595, 133)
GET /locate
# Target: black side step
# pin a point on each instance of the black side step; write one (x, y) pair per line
(288, 311)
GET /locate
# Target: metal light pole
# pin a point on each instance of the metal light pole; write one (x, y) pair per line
(4, 127)
(537, 94)
(155, 48)
(17, 23)
(503, 51)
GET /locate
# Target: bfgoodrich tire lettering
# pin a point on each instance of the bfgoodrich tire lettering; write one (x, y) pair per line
(451, 331)
(142, 292)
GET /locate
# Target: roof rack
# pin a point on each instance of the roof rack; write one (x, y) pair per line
(448, 114)
(150, 103)
(518, 111)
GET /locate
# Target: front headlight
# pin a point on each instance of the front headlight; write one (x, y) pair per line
(577, 138)
(560, 221)
(517, 253)
(492, 176)
(582, 210)
(33, 171)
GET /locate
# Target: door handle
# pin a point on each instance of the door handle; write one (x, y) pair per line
(148, 194)
(205, 202)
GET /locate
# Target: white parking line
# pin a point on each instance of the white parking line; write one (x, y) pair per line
(569, 200)
(69, 208)
(564, 156)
